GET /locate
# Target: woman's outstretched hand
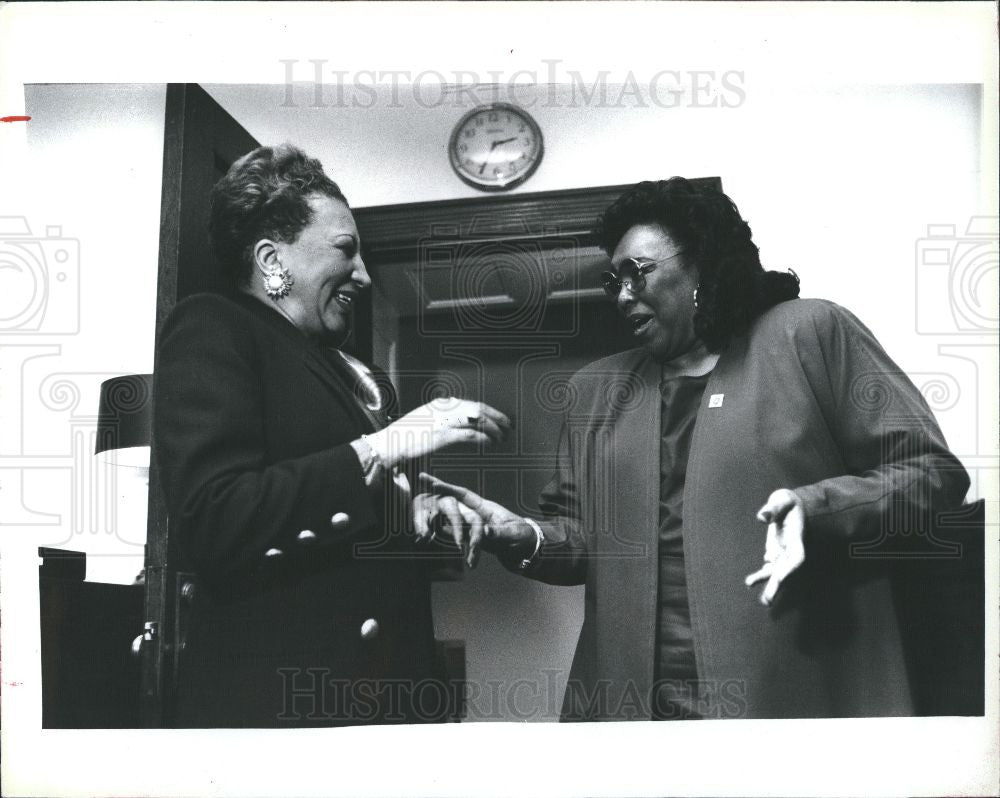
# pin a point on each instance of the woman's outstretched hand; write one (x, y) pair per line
(784, 550)
(436, 425)
(473, 522)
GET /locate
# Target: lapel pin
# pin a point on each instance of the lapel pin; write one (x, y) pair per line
(715, 400)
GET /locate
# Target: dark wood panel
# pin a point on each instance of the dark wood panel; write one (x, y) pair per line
(90, 680)
(939, 586)
(392, 233)
(201, 141)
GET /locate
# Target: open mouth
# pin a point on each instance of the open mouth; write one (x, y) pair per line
(641, 322)
(345, 299)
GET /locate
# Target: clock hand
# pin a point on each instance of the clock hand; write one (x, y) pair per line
(492, 147)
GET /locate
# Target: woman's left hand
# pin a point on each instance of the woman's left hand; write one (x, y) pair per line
(784, 550)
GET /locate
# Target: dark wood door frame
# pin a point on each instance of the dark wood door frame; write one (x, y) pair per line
(201, 140)
(393, 233)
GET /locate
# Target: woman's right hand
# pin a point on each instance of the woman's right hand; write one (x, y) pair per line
(436, 425)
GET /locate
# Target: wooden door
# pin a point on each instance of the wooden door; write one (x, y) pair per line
(201, 141)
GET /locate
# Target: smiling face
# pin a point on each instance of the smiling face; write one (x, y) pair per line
(328, 272)
(662, 313)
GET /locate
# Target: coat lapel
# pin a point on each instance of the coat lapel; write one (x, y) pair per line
(338, 383)
(341, 384)
(629, 583)
(724, 379)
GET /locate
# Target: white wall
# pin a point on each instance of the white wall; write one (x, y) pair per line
(96, 160)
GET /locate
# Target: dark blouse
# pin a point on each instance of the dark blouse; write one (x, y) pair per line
(675, 673)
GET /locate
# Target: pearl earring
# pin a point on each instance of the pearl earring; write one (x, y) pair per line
(695, 297)
(277, 281)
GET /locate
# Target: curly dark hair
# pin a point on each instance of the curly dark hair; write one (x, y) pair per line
(733, 287)
(265, 194)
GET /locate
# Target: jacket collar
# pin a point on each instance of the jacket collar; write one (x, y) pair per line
(323, 362)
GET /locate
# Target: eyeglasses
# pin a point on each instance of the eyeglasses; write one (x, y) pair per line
(635, 272)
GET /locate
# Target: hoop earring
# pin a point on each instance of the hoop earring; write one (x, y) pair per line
(277, 281)
(695, 298)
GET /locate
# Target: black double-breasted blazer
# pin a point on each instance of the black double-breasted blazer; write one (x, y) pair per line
(309, 608)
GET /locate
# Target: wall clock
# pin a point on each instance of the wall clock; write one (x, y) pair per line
(495, 147)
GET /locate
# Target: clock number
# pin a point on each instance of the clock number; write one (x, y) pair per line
(480, 121)
(469, 133)
(494, 117)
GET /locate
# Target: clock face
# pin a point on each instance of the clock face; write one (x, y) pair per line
(495, 147)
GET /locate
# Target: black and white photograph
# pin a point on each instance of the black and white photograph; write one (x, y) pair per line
(499, 398)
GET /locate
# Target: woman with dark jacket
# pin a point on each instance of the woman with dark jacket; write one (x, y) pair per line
(780, 429)
(282, 472)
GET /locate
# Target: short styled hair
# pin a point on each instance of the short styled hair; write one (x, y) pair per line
(733, 287)
(265, 194)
